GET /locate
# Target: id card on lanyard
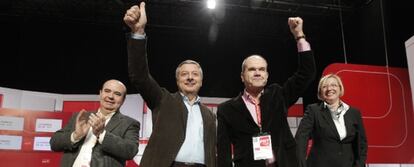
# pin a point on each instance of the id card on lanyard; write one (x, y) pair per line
(262, 146)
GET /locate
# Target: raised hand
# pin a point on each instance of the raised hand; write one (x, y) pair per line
(82, 126)
(296, 26)
(136, 18)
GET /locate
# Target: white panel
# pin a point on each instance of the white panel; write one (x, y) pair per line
(293, 130)
(48, 125)
(137, 158)
(407, 165)
(409, 48)
(300, 101)
(213, 100)
(38, 101)
(11, 123)
(11, 97)
(141, 148)
(147, 124)
(133, 107)
(298, 120)
(292, 122)
(8, 142)
(41, 144)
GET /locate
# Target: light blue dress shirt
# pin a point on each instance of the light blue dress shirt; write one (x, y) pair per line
(192, 150)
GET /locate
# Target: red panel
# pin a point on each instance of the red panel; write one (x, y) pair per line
(211, 105)
(296, 110)
(1, 100)
(131, 163)
(384, 98)
(27, 156)
(76, 106)
(145, 109)
(32, 159)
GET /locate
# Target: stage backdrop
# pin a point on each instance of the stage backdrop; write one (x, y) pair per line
(28, 119)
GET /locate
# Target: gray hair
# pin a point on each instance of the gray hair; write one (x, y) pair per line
(177, 70)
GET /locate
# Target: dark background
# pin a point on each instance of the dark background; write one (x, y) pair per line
(72, 47)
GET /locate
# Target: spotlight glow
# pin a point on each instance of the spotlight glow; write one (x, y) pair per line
(211, 4)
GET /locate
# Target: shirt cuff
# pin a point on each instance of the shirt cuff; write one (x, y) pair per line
(138, 36)
(101, 137)
(72, 139)
(303, 45)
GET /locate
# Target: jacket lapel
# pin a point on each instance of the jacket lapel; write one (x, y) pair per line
(328, 118)
(240, 106)
(206, 123)
(114, 122)
(348, 123)
(182, 109)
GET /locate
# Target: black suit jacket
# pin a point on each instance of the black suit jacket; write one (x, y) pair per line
(169, 114)
(119, 144)
(327, 148)
(236, 126)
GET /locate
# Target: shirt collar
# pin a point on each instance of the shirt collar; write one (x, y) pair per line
(109, 116)
(246, 95)
(185, 99)
(342, 105)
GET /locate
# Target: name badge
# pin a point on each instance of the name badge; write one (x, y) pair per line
(262, 147)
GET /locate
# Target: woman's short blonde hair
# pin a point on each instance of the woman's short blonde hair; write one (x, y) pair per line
(323, 81)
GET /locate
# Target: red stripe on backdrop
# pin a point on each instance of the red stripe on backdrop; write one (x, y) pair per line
(145, 109)
(1, 100)
(76, 106)
(131, 163)
(296, 110)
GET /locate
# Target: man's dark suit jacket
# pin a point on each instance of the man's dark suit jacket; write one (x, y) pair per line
(119, 144)
(327, 148)
(169, 114)
(236, 126)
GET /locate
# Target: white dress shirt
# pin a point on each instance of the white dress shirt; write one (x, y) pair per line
(85, 154)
